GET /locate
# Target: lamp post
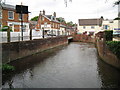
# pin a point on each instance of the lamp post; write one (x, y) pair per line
(43, 32)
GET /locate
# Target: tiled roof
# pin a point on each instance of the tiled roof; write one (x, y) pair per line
(7, 6)
(50, 17)
(88, 22)
(33, 22)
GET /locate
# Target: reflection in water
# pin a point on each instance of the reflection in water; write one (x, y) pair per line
(73, 66)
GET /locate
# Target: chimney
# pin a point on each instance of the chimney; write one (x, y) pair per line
(54, 14)
(43, 12)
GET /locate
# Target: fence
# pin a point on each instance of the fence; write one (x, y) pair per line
(16, 36)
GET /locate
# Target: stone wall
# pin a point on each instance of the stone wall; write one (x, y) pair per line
(106, 55)
(83, 38)
(15, 50)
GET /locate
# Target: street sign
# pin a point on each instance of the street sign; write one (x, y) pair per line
(22, 9)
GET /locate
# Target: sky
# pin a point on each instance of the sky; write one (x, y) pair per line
(77, 9)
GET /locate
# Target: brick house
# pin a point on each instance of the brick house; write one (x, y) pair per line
(49, 23)
(9, 17)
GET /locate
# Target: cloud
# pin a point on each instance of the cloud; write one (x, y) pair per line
(76, 9)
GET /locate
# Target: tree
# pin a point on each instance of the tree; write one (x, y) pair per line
(34, 18)
(70, 23)
(60, 19)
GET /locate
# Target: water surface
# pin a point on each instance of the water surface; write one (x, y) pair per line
(76, 65)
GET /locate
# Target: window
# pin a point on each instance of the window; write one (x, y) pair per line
(105, 27)
(84, 27)
(10, 15)
(42, 18)
(24, 28)
(92, 27)
(10, 25)
(0, 14)
(20, 16)
(45, 24)
(53, 24)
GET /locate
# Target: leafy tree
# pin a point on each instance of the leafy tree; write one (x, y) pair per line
(60, 19)
(70, 23)
(118, 18)
(34, 18)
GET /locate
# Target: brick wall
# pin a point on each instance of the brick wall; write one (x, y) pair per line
(83, 38)
(15, 50)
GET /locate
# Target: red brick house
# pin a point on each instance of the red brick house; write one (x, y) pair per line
(49, 23)
(9, 17)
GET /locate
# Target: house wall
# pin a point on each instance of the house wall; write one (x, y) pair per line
(112, 26)
(62, 31)
(88, 29)
(51, 25)
(16, 50)
(15, 22)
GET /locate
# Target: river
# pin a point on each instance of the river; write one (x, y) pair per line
(76, 65)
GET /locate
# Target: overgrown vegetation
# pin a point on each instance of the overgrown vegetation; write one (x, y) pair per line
(114, 46)
(7, 67)
(108, 35)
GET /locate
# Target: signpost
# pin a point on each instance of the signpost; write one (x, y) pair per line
(21, 10)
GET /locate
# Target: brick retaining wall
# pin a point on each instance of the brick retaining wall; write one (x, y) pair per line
(83, 38)
(106, 55)
(15, 50)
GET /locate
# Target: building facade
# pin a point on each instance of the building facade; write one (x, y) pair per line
(9, 17)
(48, 23)
(89, 26)
(111, 25)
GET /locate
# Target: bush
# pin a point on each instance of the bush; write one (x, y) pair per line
(5, 28)
(114, 46)
(108, 35)
(7, 67)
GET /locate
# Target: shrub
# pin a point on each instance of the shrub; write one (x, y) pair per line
(7, 67)
(108, 35)
(5, 28)
(114, 46)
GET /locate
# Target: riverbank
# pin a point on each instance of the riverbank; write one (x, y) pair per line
(16, 50)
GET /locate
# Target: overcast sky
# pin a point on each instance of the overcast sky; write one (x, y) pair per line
(77, 9)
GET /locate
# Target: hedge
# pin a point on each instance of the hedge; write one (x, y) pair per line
(108, 35)
(114, 46)
(5, 28)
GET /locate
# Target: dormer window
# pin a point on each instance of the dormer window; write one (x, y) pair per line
(10, 15)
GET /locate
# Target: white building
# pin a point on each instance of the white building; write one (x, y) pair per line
(111, 25)
(90, 26)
